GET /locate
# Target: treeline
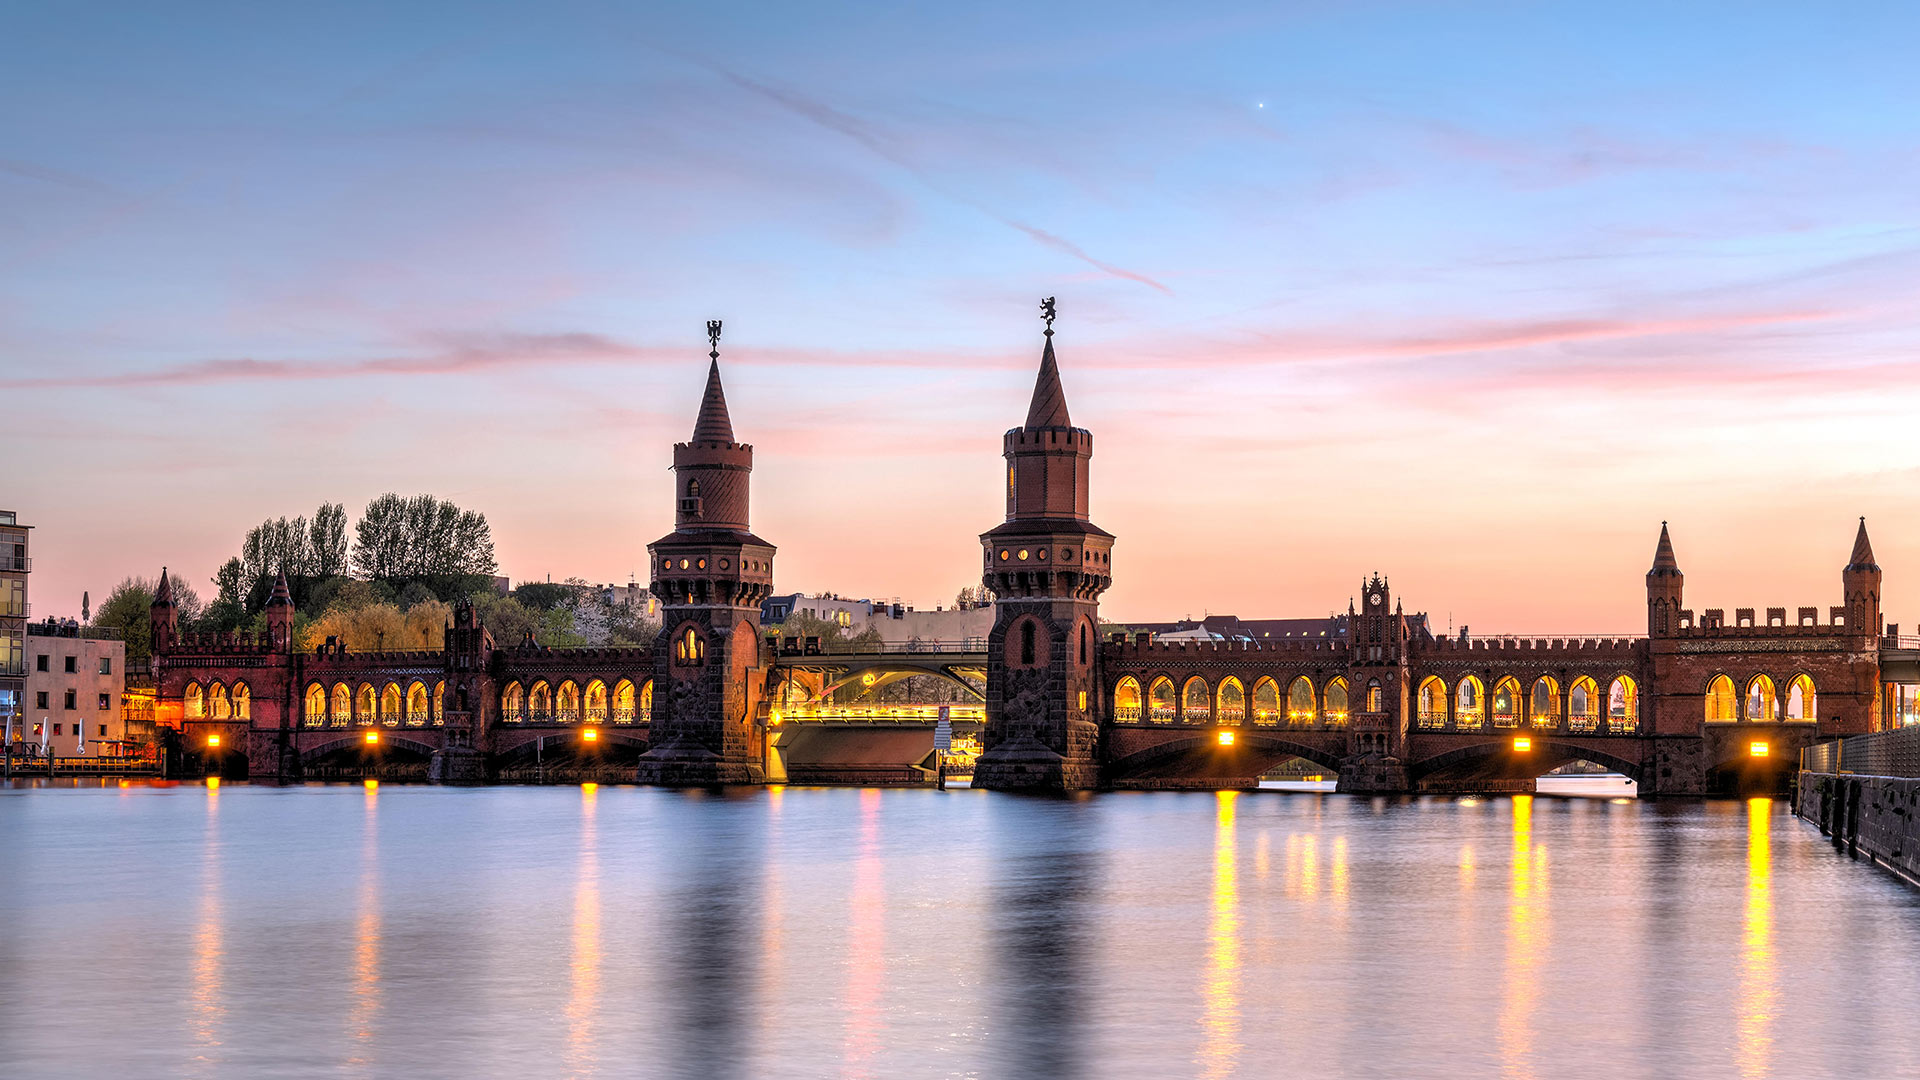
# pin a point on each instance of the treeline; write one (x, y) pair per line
(410, 560)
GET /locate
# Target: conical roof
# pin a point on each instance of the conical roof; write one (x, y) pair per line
(1862, 558)
(713, 425)
(163, 592)
(1049, 408)
(1663, 560)
(282, 596)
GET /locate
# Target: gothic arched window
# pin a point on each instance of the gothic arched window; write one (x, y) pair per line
(1026, 642)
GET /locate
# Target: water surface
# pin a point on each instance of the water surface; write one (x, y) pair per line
(414, 931)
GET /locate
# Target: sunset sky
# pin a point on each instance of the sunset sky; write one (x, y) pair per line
(1475, 295)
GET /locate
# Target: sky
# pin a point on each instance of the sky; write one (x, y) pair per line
(1475, 295)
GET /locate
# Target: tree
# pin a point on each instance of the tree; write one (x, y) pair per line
(127, 608)
(229, 608)
(327, 540)
(973, 596)
(426, 539)
(368, 628)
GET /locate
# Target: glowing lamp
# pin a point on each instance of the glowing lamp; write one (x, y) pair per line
(591, 734)
(1522, 744)
(1226, 738)
(1758, 749)
(373, 737)
(773, 719)
(213, 740)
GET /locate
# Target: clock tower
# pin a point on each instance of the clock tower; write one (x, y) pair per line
(1377, 647)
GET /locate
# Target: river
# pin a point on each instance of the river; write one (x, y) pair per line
(252, 931)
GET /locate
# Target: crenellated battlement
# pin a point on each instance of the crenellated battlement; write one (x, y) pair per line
(1143, 646)
(1584, 647)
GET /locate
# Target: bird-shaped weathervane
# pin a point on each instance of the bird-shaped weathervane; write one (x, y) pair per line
(713, 337)
(1046, 312)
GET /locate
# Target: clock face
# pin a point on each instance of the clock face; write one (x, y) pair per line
(1374, 599)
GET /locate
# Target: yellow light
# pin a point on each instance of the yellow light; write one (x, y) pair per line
(373, 736)
(591, 734)
(1226, 738)
(213, 740)
(866, 680)
(774, 718)
(371, 784)
(1758, 749)
(1522, 744)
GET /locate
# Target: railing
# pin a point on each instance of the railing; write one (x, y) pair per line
(1883, 753)
(24, 609)
(871, 714)
(65, 630)
(809, 647)
(19, 563)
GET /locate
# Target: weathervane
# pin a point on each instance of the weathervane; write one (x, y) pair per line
(713, 337)
(1046, 312)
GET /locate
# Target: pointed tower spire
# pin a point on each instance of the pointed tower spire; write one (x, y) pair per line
(1663, 553)
(163, 592)
(1862, 558)
(1049, 408)
(714, 425)
(282, 596)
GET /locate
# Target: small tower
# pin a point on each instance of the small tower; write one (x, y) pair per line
(163, 620)
(1860, 583)
(710, 574)
(1046, 565)
(280, 615)
(1664, 583)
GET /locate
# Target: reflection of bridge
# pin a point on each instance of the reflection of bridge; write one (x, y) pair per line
(1700, 701)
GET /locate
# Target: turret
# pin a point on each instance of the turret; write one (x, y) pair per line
(711, 470)
(163, 619)
(280, 614)
(1664, 583)
(1860, 584)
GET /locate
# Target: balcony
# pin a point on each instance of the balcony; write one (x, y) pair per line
(17, 563)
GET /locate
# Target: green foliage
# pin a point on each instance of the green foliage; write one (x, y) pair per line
(229, 608)
(415, 593)
(545, 596)
(422, 538)
(125, 609)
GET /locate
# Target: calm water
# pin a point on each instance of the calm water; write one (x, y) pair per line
(415, 931)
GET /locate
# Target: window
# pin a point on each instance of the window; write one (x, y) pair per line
(56, 729)
(40, 700)
(73, 663)
(41, 665)
(103, 731)
(72, 699)
(106, 701)
(106, 665)
(1026, 643)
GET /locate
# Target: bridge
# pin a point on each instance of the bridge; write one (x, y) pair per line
(1702, 701)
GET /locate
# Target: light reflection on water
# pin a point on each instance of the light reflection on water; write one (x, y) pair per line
(408, 931)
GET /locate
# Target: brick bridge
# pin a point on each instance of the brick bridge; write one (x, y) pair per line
(1699, 703)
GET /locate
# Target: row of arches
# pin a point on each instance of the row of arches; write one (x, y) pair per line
(568, 702)
(217, 701)
(1229, 704)
(1467, 706)
(345, 706)
(1761, 703)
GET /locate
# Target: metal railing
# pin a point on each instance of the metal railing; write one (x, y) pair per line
(1883, 753)
(793, 646)
(20, 563)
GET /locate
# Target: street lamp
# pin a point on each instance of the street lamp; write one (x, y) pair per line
(372, 737)
(1522, 744)
(1225, 738)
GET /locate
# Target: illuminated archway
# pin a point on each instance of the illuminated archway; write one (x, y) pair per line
(390, 703)
(1623, 705)
(342, 704)
(440, 703)
(513, 703)
(1231, 702)
(1583, 705)
(1195, 701)
(1433, 702)
(566, 702)
(623, 701)
(419, 705)
(646, 702)
(596, 700)
(195, 701)
(1266, 702)
(218, 703)
(1301, 706)
(366, 704)
(1126, 700)
(1803, 705)
(1469, 703)
(540, 702)
(1543, 704)
(242, 700)
(1763, 703)
(1723, 702)
(1506, 702)
(1336, 711)
(1160, 704)
(315, 713)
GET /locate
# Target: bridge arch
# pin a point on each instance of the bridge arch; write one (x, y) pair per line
(1231, 702)
(1550, 753)
(1266, 702)
(1256, 740)
(1303, 706)
(1722, 701)
(1162, 705)
(1196, 702)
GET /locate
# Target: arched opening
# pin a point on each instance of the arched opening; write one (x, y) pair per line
(540, 702)
(645, 715)
(1266, 702)
(242, 701)
(623, 704)
(1083, 643)
(513, 703)
(1160, 704)
(1506, 703)
(1543, 704)
(1126, 700)
(1583, 706)
(1722, 702)
(1336, 711)
(439, 703)
(596, 701)
(1623, 706)
(1301, 710)
(342, 704)
(1375, 697)
(1195, 701)
(366, 705)
(1027, 649)
(218, 703)
(195, 701)
(315, 713)
(390, 704)
(419, 706)
(1469, 704)
(1433, 702)
(566, 702)
(1802, 704)
(1232, 702)
(1763, 704)
(689, 649)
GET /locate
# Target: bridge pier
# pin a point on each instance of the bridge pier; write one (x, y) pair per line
(1373, 776)
(457, 765)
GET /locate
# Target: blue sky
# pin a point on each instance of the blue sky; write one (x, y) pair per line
(1474, 294)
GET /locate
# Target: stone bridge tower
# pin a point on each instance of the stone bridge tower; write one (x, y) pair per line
(710, 574)
(1047, 566)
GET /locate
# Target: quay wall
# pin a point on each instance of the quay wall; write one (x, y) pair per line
(1869, 817)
